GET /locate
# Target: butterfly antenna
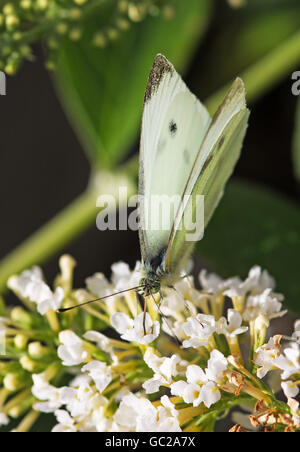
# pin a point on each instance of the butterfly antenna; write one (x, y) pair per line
(185, 303)
(164, 318)
(98, 299)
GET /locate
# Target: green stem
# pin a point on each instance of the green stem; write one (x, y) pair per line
(263, 75)
(81, 214)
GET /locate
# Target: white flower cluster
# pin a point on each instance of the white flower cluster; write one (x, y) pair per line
(82, 406)
(31, 285)
(114, 378)
(286, 360)
(253, 302)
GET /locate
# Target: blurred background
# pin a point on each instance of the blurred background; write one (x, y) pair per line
(44, 166)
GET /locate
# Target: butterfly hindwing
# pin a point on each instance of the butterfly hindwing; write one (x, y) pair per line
(213, 166)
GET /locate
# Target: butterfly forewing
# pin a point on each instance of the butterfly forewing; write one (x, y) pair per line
(173, 127)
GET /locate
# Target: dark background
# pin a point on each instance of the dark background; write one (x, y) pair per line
(43, 167)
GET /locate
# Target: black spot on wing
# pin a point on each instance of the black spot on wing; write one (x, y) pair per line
(173, 128)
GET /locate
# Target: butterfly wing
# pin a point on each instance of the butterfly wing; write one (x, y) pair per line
(213, 166)
(174, 125)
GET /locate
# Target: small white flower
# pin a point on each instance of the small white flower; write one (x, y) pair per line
(196, 379)
(296, 334)
(289, 361)
(290, 388)
(141, 329)
(266, 304)
(164, 369)
(183, 297)
(103, 343)
(256, 283)
(65, 422)
(198, 387)
(86, 405)
(100, 287)
(172, 304)
(50, 395)
(161, 365)
(71, 351)
(101, 340)
(162, 419)
(216, 365)
(199, 329)
(294, 406)
(131, 409)
(210, 394)
(215, 285)
(100, 374)
(30, 284)
(233, 326)
(53, 303)
(167, 417)
(265, 356)
(123, 278)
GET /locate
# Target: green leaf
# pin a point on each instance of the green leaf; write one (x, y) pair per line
(296, 143)
(255, 226)
(102, 89)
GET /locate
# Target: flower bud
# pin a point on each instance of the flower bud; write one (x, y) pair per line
(41, 4)
(100, 40)
(80, 2)
(123, 24)
(75, 34)
(19, 315)
(21, 341)
(11, 22)
(136, 12)
(37, 350)
(123, 6)
(25, 4)
(12, 382)
(75, 14)
(29, 365)
(62, 28)
(8, 9)
(112, 34)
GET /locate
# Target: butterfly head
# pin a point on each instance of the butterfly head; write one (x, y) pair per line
(154, 272)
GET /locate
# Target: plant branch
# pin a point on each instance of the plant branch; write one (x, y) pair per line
(263, 75)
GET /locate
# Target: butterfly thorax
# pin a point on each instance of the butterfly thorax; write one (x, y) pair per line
(154, 273)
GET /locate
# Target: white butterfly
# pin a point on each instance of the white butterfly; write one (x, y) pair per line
(183, 152)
